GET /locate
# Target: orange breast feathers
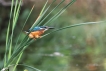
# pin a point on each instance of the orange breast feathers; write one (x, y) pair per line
(36, 34)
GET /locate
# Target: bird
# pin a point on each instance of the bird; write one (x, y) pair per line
(37, 31)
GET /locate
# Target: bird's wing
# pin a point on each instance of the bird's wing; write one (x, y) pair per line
(35, 29)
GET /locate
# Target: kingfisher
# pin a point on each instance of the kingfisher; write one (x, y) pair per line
(37, 31)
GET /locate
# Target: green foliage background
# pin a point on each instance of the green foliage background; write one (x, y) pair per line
(76, 49)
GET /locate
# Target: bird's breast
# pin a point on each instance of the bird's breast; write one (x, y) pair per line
(36, 34)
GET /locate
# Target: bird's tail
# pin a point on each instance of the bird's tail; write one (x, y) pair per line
(26, 32)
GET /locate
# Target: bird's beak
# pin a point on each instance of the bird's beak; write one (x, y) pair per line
(50, 27)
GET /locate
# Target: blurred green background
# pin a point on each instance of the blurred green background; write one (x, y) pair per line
(76, 49)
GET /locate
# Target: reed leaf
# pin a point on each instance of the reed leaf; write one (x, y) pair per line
(50, 12)
(7, 36)
(60, 12)
(17, 61)
(75, 25)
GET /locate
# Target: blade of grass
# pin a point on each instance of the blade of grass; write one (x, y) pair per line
(63, 11)
(14, 15)
(6, 50)
(17, 61)
(7, 36)
(17, 14)
(51, 12)
(75, 25)
(60, 12)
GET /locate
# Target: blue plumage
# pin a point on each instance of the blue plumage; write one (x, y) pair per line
(36, 28)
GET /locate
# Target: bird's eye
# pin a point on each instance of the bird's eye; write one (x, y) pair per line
(45, 27)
